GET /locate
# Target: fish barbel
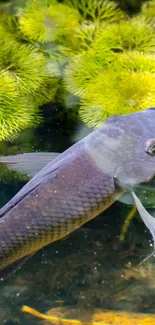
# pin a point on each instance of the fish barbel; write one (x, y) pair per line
(73, 187)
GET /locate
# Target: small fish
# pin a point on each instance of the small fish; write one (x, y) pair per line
(69, 189)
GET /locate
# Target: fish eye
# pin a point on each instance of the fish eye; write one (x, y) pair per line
(150, 147)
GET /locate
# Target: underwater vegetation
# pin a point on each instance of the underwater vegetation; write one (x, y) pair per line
(95, 53)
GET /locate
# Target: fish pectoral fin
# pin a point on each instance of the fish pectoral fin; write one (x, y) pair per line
(28, 163)
(13, 267)
(146, 217)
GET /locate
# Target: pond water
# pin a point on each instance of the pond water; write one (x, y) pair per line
(89, 269)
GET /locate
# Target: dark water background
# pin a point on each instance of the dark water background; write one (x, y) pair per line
(91, 267)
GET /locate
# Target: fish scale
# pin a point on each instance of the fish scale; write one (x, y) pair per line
(76, 186)
(55, 215)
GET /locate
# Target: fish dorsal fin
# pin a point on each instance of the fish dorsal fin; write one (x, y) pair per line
(28, 163)
(36, 180)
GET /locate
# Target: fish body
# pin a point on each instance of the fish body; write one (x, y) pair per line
(72, 191)
(54, 208)
(77, 185)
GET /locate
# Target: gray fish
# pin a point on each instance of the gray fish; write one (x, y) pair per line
(75, 186)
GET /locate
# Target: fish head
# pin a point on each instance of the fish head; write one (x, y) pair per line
(124, 148)
(135, 156)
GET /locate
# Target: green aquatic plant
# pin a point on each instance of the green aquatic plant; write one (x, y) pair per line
(30, 80)
(97, 10)
(73, 51)
(121, 92)
(16, 113)
(7, 176)
(25, 83)
(135, 61)
(81, 40)
(7, 27)
(109, 82)
(127, 223)
(23, 63)
(51, 23)
(85, 35)
(126, 36)
(115, 72)
(148, 10)
(84, 67)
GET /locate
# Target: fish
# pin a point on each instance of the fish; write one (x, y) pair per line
(71, 188)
